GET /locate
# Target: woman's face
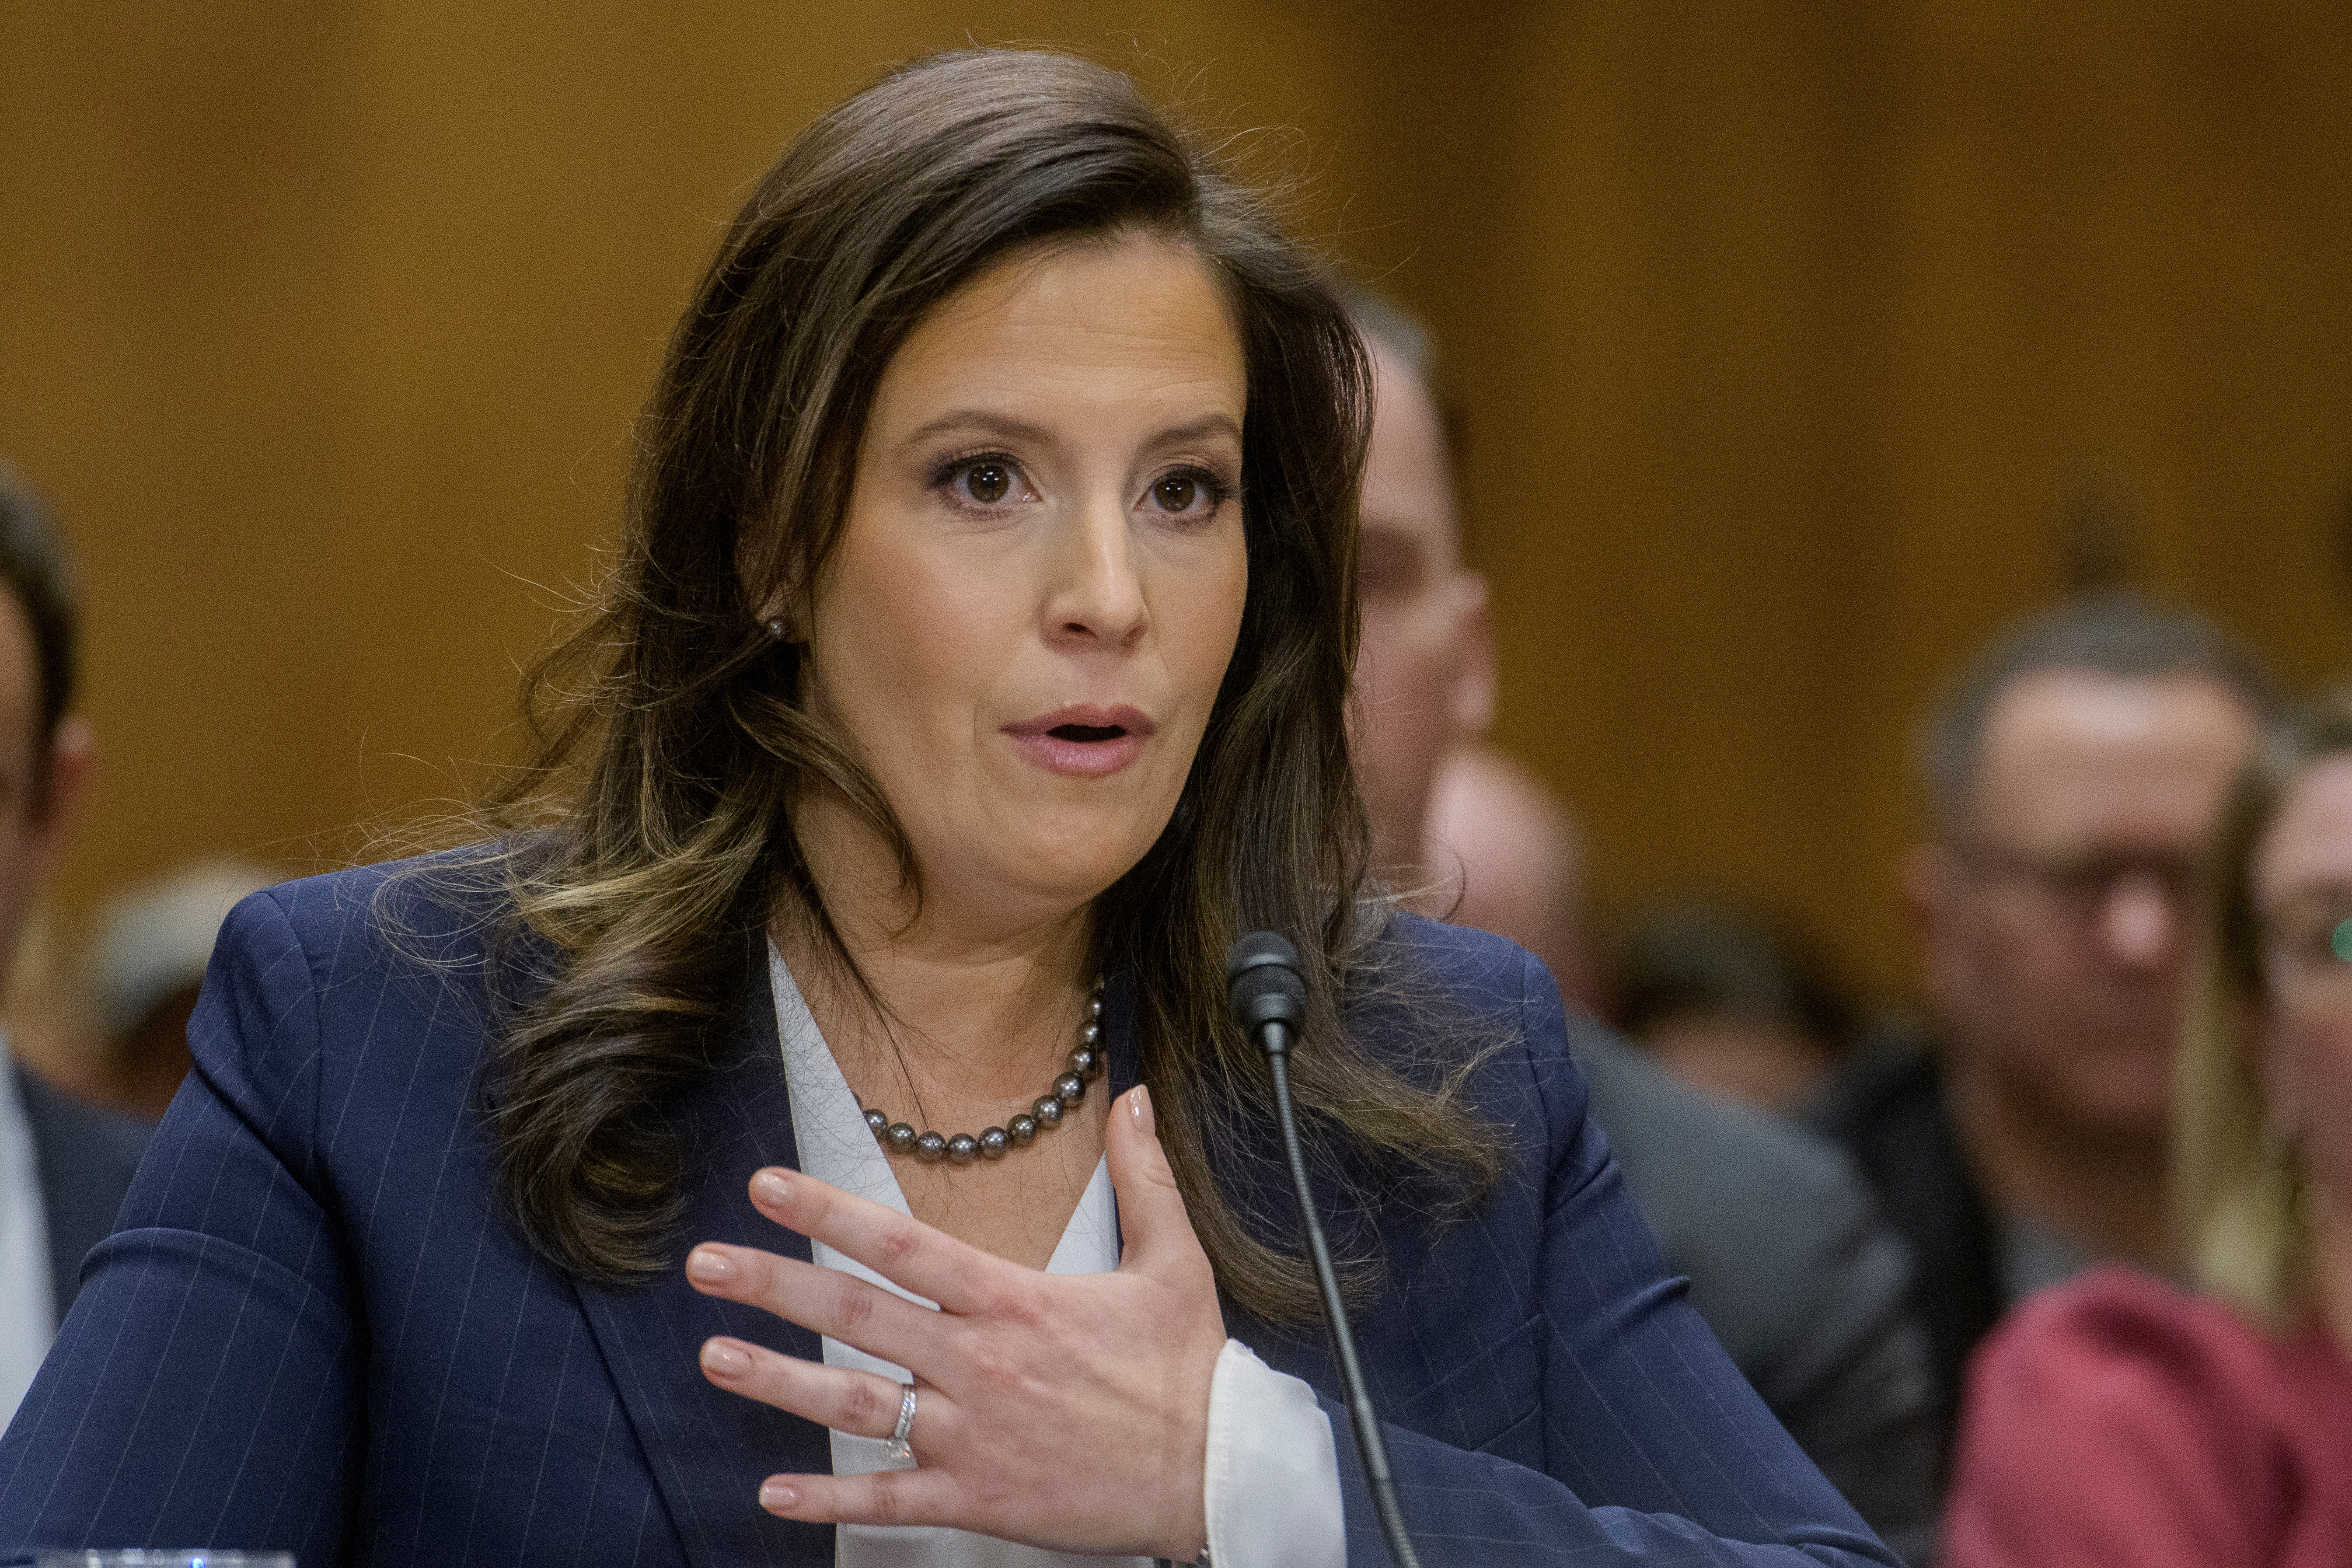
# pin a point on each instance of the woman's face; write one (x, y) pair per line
(2303, 890)
(1041, 580)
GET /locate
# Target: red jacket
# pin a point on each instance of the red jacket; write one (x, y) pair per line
(2114, 1422)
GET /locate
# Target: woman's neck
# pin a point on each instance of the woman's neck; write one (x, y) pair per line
(963, 996)
(978, 1008)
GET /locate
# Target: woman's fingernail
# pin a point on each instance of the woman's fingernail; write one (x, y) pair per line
(1138, 1105)
(708, 1266)
(770, 1187)
(724, 1359)
(776, 1497)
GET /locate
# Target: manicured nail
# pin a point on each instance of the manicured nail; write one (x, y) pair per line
(770, 1187)
(776, 1497)
(1138, 1105)
(708, 1266)
(724, 1359)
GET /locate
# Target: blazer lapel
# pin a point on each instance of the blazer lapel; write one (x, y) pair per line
(710, 1449)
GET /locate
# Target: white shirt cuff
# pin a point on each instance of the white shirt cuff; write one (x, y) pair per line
(1272, 1483)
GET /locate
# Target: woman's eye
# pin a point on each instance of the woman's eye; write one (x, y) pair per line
(987, 482)
(1187, 493)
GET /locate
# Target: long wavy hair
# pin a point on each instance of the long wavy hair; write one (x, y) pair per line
(2242, 1193)
(648, 835)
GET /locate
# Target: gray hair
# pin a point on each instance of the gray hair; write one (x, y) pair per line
(2112, 632)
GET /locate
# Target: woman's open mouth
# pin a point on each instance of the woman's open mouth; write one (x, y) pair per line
(1082, 741)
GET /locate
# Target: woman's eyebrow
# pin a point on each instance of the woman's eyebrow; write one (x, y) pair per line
(1201, 429)
(1004, 427)
(981, 421)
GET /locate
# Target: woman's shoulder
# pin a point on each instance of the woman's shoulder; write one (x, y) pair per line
(2119, 1357)
(435, 907)
(1439, 994)
(399, 949)
(2112, 1320)
(1421, 976)
(1476, 969)
(2119, 1408)
(2138, 1349)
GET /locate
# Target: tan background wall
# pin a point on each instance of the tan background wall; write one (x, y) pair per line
(1786, 333)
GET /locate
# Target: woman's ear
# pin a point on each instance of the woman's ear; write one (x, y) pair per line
(786, 618)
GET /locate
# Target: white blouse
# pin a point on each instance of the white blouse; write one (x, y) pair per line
(1272, 1478)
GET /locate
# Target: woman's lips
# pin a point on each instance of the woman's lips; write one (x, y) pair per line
(1082, 741)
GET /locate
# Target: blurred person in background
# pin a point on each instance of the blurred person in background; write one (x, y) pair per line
(50, 1034)
(1487, 810)
(1425, 668)
(63, 1165)
(2118, 1419)
(1730, 1002)
(144, 969)
(2074, 770)
(1800, 1281)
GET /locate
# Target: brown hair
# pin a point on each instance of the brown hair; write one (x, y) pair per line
(647, 839)
(2240, 1193)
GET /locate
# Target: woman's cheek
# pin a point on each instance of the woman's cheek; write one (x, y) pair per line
(1222, 598)
(2327, 1094)
(926, 623)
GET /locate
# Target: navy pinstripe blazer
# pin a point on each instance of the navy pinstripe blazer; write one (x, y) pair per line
(314, 1327)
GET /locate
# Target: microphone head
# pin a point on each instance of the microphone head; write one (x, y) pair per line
(1264, 982)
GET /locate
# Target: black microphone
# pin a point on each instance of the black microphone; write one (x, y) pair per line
(1269, 997)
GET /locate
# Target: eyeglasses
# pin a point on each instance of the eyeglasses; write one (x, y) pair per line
(2083, 886)
(2307, 948)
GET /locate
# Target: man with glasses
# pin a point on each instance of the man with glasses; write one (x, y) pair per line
(2073, 773)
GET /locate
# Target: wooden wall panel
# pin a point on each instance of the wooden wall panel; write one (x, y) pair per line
(1784, 332)
(1801, 332)
(323, 326)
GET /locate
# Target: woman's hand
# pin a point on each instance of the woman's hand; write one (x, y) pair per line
(1069, 1411)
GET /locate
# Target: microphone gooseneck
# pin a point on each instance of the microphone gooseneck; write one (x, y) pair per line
(1268, 996)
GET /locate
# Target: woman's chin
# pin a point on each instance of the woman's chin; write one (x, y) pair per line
(1062, 860)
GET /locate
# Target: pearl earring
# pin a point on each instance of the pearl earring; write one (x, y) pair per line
(774, 626)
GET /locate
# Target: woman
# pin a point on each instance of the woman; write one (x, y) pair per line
(2119, 1420)
(973, 673)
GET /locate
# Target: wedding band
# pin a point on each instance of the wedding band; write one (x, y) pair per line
(898, 1448)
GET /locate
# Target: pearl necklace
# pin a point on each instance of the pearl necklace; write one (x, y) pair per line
(1083, 1066)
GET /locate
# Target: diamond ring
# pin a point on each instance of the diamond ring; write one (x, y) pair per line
(899, 1448)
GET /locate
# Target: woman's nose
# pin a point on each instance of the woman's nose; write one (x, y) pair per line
(1096, 595)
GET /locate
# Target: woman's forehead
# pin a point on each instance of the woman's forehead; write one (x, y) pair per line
(1135, 318)
(2309, 844)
